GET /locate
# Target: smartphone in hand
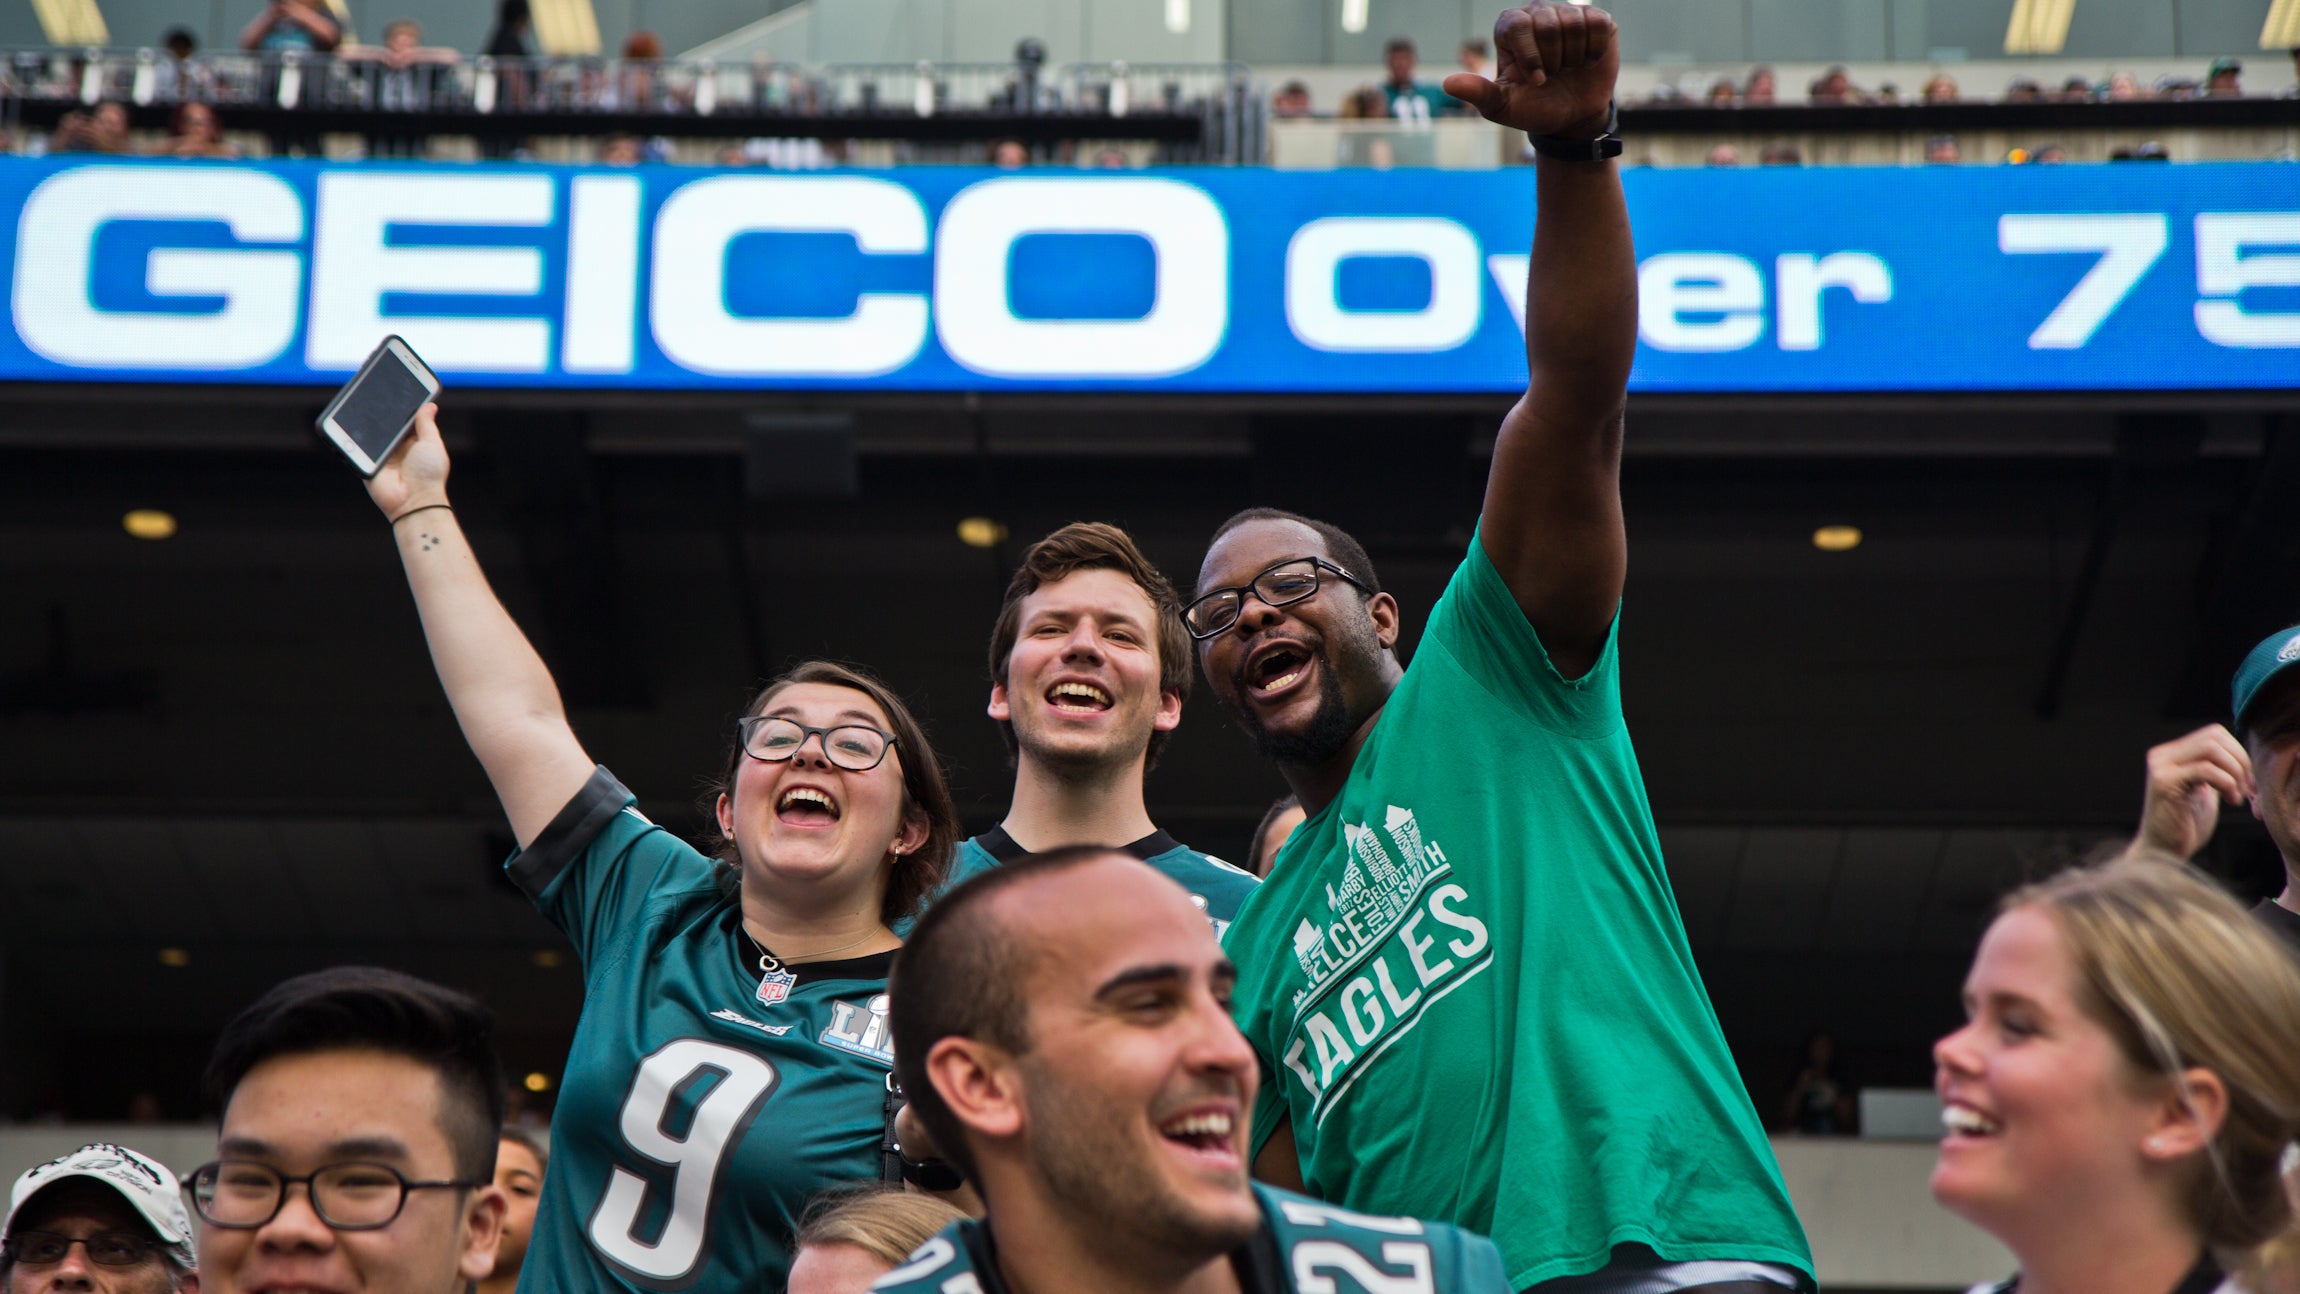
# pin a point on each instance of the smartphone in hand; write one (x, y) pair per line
(375, 410)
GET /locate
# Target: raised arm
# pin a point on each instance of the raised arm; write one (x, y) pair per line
(502, 694)
(1552, 520)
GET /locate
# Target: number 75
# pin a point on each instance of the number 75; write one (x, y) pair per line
(2128, 245)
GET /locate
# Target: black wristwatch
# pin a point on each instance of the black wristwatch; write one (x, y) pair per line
(1582, 150)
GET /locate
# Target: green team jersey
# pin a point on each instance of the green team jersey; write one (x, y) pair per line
(1304, 1247)
(1215, 886)
(696, 1117)
(1470, 987)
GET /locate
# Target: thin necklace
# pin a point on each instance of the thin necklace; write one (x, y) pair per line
(770, 964)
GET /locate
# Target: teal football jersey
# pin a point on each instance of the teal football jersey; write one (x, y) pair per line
(1304, 1247)
(1215, 886)
(700, 1110)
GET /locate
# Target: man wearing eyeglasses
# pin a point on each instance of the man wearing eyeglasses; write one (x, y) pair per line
(104, 1220)
(357, 1153)
(1465, 973)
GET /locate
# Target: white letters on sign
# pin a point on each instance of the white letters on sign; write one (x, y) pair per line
(1188, 316)
(1314, 310)
(56, 244)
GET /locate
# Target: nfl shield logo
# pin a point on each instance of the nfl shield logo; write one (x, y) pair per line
(774, 986)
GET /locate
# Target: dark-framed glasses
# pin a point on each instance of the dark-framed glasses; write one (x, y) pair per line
(855, 747)
(1279, 584)
(241, 1195)
(105, 1248)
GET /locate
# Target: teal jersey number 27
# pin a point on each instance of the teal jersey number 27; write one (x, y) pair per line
(698, 1113)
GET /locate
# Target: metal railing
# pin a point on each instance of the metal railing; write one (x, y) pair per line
(1198, 112)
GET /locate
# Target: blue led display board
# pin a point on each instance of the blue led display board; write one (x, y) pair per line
(1206, 280)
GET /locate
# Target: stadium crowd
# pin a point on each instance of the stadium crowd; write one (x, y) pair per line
(1447, 1035)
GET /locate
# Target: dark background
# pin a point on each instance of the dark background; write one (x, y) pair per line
(231, 742)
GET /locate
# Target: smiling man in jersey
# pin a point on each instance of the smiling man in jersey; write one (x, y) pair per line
(1062, 1024)
(1089, 669)
(1465, 975)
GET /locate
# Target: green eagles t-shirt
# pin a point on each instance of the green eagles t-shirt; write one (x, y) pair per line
(696, 1117)
(1304, 1247)
(1216, 887)
(1470, 987)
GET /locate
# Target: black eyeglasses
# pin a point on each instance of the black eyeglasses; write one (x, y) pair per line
(105, 1248)
(854, 747)
(241, 1195)
(1280, 584)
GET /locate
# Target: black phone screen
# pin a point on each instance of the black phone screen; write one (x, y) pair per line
(380, 405)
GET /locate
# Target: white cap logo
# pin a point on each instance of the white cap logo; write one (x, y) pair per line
(2290, 651)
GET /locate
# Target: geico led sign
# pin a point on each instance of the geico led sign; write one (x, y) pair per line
(359, 265)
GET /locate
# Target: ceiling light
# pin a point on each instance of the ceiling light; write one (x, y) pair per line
(537, 1082)
(1837, 539)
(149, 523)
(175, 957)
(980, 532)
(1354, 15)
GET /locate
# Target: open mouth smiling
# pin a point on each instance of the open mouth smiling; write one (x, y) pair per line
(806, 806)
(1079, 697)
(1276, 668)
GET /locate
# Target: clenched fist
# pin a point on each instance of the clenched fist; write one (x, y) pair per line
(1555, 64)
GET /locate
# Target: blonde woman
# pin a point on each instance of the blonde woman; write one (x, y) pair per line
(847, 1241)
(2126, 1084)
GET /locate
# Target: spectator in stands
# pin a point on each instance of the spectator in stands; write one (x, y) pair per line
(101, 130)
(1759, 90)
(1780, 152)
(1270, 834)
(1112, 158)
(522, 1154)
(1291, 100)
(402, 47)
(284, 25)
(513, 22)
(2077, 89)
(848, 1240)
(635, 86)
(1009, 155)
(2191, 777)
(1818, 1105)
(2221, 81)
(1886, 93)
(176, 76)
(193, 132)
(1723, 93)
(100, 1218)
(2049, 155)
(357, 1152)
(2023, 90)
(2123, 87)
(621, 150)
(1365, 102)
(1408, 99)
(1941, 88)
(1724, 155)
(1476, 58)
(2123, 1088)
(1832, 88)
(1941, 150)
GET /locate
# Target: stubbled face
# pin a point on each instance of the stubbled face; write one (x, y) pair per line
(1301, 678)
(78, 1209)
(2045, 1118)
(805, 821)
(1082, 681)
(520, 1179)
(1137, 1087)
(301, 1113)
(2272, 738)
(835, 1269)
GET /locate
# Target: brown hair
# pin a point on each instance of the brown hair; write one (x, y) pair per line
(924, 793)
(2181, 976)
(1094, 546)
(885, 1222)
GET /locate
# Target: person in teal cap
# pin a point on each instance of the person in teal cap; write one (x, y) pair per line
(2258, 764)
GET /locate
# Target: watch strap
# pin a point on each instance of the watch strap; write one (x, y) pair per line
(1566, 149)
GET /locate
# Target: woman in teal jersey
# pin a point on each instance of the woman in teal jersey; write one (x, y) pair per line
(2123, 1089)
(732, 1055)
